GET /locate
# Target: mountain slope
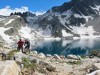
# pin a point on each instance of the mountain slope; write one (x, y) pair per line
(14, 27)
(69, 17)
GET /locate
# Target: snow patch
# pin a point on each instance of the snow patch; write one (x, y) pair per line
(4, 36)
(84, 31)
(25, 32)
(52, 39)
(96, 8)
(9, 21)
(86, 17)
(65, 34)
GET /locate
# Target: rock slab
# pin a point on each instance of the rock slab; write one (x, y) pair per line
(9, 67)
(96, 66)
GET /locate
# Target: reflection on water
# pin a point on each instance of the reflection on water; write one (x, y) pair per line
(65, 47)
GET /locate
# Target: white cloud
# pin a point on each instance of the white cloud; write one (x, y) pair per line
(39, 12)
(6, 11)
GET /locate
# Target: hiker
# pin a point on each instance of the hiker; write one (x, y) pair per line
(20, 45)
(27, 45)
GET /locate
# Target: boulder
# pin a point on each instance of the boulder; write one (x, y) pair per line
(19, 55)
(62, 56)
(97, 72)
(71, 56)
(96, 66)
(41, 55)
(35, 61)
(9, 67)
(43, 63)
(56, 56)
(95, 53)
(50, 67)
(48, 55)
(35, 52)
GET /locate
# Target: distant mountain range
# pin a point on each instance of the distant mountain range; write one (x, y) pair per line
(77, 18)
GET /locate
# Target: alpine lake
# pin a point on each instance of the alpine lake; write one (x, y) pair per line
(66, 47)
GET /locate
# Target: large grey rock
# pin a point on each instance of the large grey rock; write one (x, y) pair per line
(71, 56)
(36, 61)
(41, 55)
(96, 66)
(48, 55)
(56, 56)
(95, 53)
(35, 52)
(9, 68)
(18, 56)
(50, 67)
(97, 72)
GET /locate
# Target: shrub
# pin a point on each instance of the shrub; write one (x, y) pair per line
(29, 64)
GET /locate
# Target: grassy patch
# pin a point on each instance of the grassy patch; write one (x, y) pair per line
(11, 54)
(83, 57)
(29, 64)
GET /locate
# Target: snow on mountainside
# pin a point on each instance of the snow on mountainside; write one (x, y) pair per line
(72, 17)
(13, 28)
(9, 21)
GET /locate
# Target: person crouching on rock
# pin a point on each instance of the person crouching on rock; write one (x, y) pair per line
(27, 45)
(20, 45)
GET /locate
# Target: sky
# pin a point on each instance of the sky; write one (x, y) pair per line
(36, 6)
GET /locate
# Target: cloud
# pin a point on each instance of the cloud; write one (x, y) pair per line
(39, 12)
(6, 11)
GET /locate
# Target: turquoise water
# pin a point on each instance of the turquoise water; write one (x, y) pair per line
(65, 47)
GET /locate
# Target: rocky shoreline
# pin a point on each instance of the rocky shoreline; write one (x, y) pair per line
(40, 64)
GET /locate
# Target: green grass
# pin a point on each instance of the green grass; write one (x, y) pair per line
(29, 64)
(11, 54)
